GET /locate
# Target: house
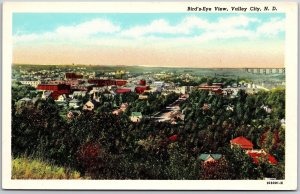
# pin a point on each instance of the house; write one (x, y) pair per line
(72, 114)
(74, 103)
(266, 108)
(117, 112)
(141, 89)
(46, 94)
(215, 91)
(173, 138)
(61, 98)
(25, 101)
(31, 83)
(230, 108)
(143, 97)
(210, 158)
(61, 88)
(79, 94)
(241, 142)
(108, 94)
(71, 75)
(136, 116)
(206, 106)
(124, 106)
(261, 156)
(90, 105)
(282, 121)
(122, 90)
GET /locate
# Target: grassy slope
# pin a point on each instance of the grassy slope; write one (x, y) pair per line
(24, 168)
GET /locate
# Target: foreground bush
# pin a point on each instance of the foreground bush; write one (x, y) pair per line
(24, 168)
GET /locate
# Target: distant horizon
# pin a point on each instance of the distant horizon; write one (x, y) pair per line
(97, 65)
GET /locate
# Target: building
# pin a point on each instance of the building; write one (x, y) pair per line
(90, 105)
(61, 88)
(210, 158)
(120, 82)
(61, 98)
(267, 109)
(206, 106)
(73, 76)
(230, 108)
(74, 103)
(136, 116)
(173, 138)
(142, 82)
(46, 94)
(72, 114)
(79, 94)
(143, 97)
(241, 142)
(207, 87)
(261, 156)
(83, 87)
(159, 83)
(122, 90)
(70, 82)
(25, 101)
(117, 112)
(141, 89)
(102, 82)
(124, 106)
(31, 83)
(216, 91)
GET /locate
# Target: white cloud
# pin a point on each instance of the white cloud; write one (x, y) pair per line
(271, 28)
(188, 24)
(88, 28)
(226, 34)
(233, 22)
(157, 26)
(82, 30)
(190, 29)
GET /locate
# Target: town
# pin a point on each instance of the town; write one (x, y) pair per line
(164, 114)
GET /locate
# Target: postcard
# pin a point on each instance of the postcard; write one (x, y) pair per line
(149, 96)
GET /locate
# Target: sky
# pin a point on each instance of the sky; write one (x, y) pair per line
(200, 40)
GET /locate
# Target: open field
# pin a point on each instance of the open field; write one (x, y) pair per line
(25, 168)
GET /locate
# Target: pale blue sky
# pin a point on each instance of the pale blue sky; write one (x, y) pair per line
(26, 23)
(112, 33)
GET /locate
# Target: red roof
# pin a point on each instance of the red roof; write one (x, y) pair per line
(141, 89)
(73, 76)
(218, 91)
(242, 142)
(173, 138)
(123, 90)
(262, 157)
(55, 95)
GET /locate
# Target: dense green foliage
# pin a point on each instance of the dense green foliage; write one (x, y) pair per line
(105, 146)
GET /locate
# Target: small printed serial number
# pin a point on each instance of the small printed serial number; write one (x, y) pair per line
(275, 183)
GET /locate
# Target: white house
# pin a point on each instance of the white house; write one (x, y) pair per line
(266, 108)
(62, 98)
(46, 94)
(31, 83)
(136, 116)
(79, 94)
(90, 105)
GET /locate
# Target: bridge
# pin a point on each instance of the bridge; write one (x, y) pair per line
(265, 70)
